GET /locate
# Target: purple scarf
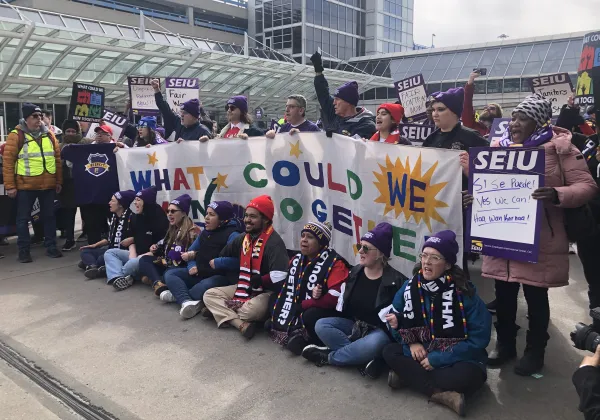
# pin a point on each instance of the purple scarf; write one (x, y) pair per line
(540, 136)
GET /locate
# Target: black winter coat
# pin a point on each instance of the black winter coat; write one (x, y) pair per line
(149, 227)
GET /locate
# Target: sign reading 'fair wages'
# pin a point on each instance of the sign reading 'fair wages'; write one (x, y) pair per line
(505, 220)
(556, 88)
(352, 184)
(141, 95)
(180, 90)
(412, 96)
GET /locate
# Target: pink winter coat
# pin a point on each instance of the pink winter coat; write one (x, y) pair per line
(552, 269)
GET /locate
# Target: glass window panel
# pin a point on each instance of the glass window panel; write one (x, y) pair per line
(33, 16)
(471, 62)
(512, 85)
(73, 23)
(554, 58)
(53, 19)
(571, 60)
(147, 68)
(480, 86)
(399, 67)
(32, 71)
(416, 67)
(9, 13)
(441, 67)
(128, 32)
(93, 26)
(99, 64)
(43, 58)
(537, 56)
(429, 66)
(517, 63)
(61, 74)
(448, 85)
(72, 61)
(501, 63)
(494, 86)
(111, 30)
(488, 58)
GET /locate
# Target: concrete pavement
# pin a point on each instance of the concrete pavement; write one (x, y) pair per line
(132, 355)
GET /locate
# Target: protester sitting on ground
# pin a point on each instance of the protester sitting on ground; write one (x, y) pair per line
(388, 120)
(490, 111)
(263, 268)
(165, 255)
(147, 135)
(311, 292)
(71, 135)
(340, 112)
(205, 269)
(119, 234)
(357, 336)
(239, 121)
(295, 116)
(33, 173)
(442, 327)
(568, 184)
(185, 126)
(148, 226)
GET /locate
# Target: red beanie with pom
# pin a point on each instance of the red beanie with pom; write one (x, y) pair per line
(263, 204)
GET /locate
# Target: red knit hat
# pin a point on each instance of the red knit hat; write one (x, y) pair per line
(263, 204)
(396, 110)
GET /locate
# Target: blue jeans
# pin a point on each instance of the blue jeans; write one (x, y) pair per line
(334, 333)
(93, 256)
(118, 264)
(25, 200)
(186, 287)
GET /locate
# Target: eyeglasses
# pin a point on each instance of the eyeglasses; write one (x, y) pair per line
(365, 248)
(291, 107)
(231, 108)
(431, 257)
(171, 211)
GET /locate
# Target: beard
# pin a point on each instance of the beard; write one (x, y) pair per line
(71, 138)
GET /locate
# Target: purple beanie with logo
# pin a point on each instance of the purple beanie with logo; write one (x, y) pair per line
(381, 238)
(224, 209)
(348, 92)
(445, 242)
(184, 202)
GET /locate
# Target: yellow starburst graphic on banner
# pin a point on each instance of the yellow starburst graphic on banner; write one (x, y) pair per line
(295, 149)
(220, 181)
(409, 192)
(152, 160)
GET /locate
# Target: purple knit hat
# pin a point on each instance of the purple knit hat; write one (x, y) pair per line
(445, 242)
(148, 195)
(125, 198)
(184, 202)
(381, 238)
(224, 209)
(240, 102)
(348, 92)
(453, 98)
(192, 107)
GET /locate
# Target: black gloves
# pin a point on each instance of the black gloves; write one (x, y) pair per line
(256, 281)
(317, 62)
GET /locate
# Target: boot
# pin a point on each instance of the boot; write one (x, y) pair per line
(503, 353)
(159, 287)
(395, 381)
(146, 280)
(248, 329)
(533, 358)
(453, 400)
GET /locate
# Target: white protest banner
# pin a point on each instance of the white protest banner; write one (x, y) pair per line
(115, 121)
(412, 96)
(180, 90)
(556, 88)
(505, 220)
(141, 95)
(499, 127)
(352, 184)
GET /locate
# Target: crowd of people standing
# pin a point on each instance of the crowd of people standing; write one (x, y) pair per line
(427, 328)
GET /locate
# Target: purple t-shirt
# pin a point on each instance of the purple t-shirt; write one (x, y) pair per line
(306, 126)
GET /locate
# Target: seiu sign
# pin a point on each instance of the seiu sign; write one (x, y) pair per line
(554, 79)
(409, 83)
(182, 83)
(506, 160)
(140, 80)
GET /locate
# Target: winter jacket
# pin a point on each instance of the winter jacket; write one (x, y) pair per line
(570, 119)
(362, 124)
(45, 181)
(173, 123)
(589, 148)
(552, 268)
(333, 289)
(391, 282)
(587, 384)
(248, 129)
(222, 264)
(468, 114)
(459, 138)
(472, 349)
(393, 138)
(149, 227)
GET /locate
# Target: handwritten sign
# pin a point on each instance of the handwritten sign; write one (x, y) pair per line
(115, 121)
(413, 97)
(556, 88)
(141, 95)
(180, 90)
(87, 103)
(416, 133)
(589, 63)
(504, 220)
(499, 127)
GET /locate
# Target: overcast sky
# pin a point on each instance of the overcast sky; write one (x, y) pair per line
(459, 22)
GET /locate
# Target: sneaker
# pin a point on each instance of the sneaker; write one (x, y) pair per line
(102, 271)
(81, 265)
(91, 272)
(53, 253)
(159, 287)
(453, 400)
(491, 307)
(318, 355)
(167, 297)
(248, 329)
(25, 257)
(375, 368)
(69, 245)
(531, 362)
(190, 309)
(81, 238)
(110, 282)
(394, 380)
(122, 283)
(4, 242)
(296, 344)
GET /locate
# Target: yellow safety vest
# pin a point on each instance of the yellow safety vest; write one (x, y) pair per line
(31, 160)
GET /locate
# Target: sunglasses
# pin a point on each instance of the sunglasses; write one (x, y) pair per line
(365, 248)
(231, 108)
(171, 211)
(36, 115)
